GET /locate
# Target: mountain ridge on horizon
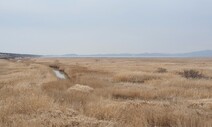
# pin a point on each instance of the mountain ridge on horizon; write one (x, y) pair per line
(201, 53)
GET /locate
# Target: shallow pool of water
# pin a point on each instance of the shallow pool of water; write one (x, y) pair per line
(59, 74)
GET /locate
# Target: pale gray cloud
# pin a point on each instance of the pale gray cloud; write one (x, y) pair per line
(105, 26)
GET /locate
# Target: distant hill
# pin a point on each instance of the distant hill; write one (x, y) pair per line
(73, 55)
(14, 55)
(204, 53)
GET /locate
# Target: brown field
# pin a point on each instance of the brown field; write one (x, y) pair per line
(106, 92)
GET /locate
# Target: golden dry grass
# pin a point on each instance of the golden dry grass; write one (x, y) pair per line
(112, 93)
(135, 77)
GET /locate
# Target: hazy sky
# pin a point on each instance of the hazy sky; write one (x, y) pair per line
(105, 26)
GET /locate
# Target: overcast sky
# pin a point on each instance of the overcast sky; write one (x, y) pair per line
(105, 26)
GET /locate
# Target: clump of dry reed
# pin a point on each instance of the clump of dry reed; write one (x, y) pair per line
(135, 77)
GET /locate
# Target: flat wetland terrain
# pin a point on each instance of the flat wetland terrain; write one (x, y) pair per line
(106, 92)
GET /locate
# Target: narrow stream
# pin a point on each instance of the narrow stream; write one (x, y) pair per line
(59, 74)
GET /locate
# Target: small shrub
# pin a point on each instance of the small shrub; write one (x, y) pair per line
(161, 70)
(192, 74)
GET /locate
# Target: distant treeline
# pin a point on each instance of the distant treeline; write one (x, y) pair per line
(14, 55)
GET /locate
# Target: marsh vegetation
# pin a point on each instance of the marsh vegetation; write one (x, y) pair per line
(107, 92)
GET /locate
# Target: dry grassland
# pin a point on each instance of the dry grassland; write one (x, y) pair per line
(106, 92)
